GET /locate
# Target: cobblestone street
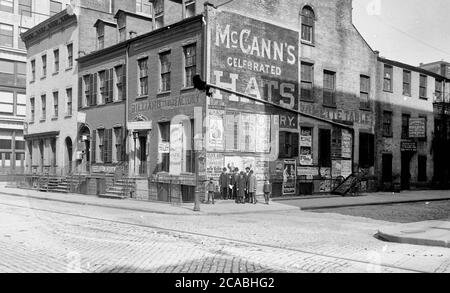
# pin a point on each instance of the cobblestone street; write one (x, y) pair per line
(47, 236)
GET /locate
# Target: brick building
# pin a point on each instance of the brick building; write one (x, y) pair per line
(407, 120)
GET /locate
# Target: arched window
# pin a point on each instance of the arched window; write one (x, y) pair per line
(308, 24)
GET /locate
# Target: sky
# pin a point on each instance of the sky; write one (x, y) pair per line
(409, 31)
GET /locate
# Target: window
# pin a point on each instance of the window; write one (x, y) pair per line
(164, 129)
(6, 35)
(307, 75)
(289, 142)
(325, 147)
(44, 107)
(21, 105)
(101, 143)
(366, 150)
(387, 85)
(44, 66)
(165, 71)
(56, 60)
(329, 88)
(5, 144)
(406, 83)
(7, 71)
(120, 93)
(55, 7)
(387, 124)
(118, 140)
(21, 74)
(55, 104)
(422, 168)
(423, 87)
(405, 126)
(438, 90)
(107, 146)
(32, 109)
(106, 86)
(190, 65)
(158, 5)
(19, 39)
(386, 167)
(308, 18)
(70, 55)
(364, 89)
(190, 8)
(143, 6)
(69, 102)
(25, 7)
(100, 36)
(7, 6)
(33, 70)
(91, 90)
(143, 77)
(6, 102)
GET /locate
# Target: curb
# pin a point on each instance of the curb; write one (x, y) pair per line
(412, 240)
(143, 210)
(372, 204)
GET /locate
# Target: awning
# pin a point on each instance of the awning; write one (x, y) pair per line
(41, 135)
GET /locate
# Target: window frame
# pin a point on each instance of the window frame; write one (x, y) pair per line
(407, 75)
(56, 61)
(389, 79)
(304, 81)
(165, 71)
(22, 5)
(32, 109)
(10, 9)
(190, 68)
(44, 65)
(55, 104)
(387, 124)
(143, 77)
(69, 101)
(329, 91)
(308, 25)
(364, 105)
(43, 107)
(69, 55)
(423, 86)
(8, 36)
(53, 12)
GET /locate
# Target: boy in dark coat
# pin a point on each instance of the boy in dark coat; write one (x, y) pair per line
(242, 186)
(223, 183)
(267, 189)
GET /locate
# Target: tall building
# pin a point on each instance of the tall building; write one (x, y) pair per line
(16, 17)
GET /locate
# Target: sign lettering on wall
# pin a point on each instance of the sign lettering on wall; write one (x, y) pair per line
(255, 58)
(417, 128)
(164, 104)
(358, 117)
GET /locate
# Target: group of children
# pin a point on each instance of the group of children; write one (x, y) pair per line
(240, 186)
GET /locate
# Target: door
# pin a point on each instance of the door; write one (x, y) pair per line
(87, 147)
(406, 175)
(142, 155)
(387, 168)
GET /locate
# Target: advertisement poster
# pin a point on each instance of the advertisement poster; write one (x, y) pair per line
(336, 169)
(306, 137)
(263, 133)
(214, 165)
(336, 143)
(248, 134)
(254, 57)
(232, 162)
(417, 128)
(346, 168)
(325, 172)
(347, 144)
(306, 158)
(261, 168)
(289, 177)
(216, 130)
(164, 148)
(176, 148)
(249, 162)
(325, 186)
(308, 172)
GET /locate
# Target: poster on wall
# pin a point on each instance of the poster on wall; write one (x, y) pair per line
(261, 168)
(216, 130)
(176, 148)
(336, 143)
(248, 134)
(346, 168)
(336, 168)
(325, 186)
(347, 144)
(214, 165)
(308, 172)
(306, 156)
(289, 177)
(262, 133)
(233, 162)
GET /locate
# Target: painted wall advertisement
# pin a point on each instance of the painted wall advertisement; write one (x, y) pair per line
(289, 177)
(253, 57)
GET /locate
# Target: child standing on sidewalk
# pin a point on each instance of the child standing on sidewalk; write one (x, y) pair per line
(211, 188)
(267, 189)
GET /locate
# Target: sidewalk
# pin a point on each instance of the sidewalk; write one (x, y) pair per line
(430, 233)
(219, 208)
(380, 198)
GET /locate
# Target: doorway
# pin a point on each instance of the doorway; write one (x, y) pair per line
(142, 155)
(406, 173)
(69, 150)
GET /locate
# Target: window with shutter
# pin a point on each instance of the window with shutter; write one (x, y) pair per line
(110, 85)
(80, 93)
(109, 146)
(94, 90)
